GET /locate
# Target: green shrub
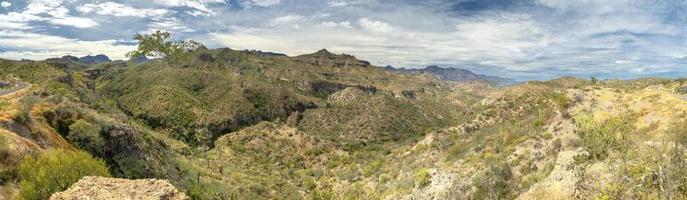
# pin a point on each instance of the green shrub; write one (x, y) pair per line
(422, 178)
(599, 138)
(540, 121)
(55, 170)
(493, 183)
(3, 104)
(86, 136)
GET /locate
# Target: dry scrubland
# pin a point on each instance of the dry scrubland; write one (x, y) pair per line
(221, 124)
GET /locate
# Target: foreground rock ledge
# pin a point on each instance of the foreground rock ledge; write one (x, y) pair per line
(91, 187)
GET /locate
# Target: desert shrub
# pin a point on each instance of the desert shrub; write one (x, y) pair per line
(540, 121)
(55, 170)
(384, 178)
(86, 136)
(3, 104)
(25, 105)
(422, 178)
(493, 183)
(372, 168)
(561, 100)
(321, 194)
(60, 89)
(599, 138)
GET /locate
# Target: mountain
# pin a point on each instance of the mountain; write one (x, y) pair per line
(326, 58)
(456, 75)
(94, 59)
(140, 59)
(265, 54)
(229, 124)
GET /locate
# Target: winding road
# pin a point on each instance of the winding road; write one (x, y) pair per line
(19, 86)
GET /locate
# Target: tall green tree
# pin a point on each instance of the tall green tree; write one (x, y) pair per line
(157, 45)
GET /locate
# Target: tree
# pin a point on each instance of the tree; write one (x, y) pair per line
(55, 170)
(594, 80)
(157, 45)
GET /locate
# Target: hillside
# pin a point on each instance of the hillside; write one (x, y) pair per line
(230, 124)
(451, 74)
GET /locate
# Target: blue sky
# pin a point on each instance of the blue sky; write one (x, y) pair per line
(523, 39)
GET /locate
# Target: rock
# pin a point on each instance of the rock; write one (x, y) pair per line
(346, 96)
(91, 187)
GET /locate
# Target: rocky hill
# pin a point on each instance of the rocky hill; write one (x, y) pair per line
(456, 75)
(94, 59)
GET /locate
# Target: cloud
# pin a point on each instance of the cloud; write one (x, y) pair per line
(529, 39)
(78, 22)
(201, 7)
(375, 26)
(14, 25)
(22, 44)
(286, 20)
(264, 3)
(120, 10)
(342, 3)
(5, 4)
(169, 24)
(332, 24)
(45, 11)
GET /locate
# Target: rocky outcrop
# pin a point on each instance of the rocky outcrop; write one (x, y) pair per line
(92, 187)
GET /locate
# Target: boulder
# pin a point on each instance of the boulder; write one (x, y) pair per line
(92, 187)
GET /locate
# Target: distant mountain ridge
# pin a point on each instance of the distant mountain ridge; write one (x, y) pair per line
(97, 59)
(86, 60)
(452, 74)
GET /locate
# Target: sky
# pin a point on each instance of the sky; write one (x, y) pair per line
(521, 39)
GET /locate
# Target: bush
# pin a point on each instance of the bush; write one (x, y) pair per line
(422, 178)
(86, 136)
(599, 138)
(55, 170)
(493, 183)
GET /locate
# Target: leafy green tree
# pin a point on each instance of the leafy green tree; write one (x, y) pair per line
(157, 45)
(55, 170)
(86, 136)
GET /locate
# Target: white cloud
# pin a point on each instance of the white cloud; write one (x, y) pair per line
(201, 6)
(36, 11)
(39, 46)
(120, 10)
(5, 4)
(19, 17)
(14, 25)
(169, 24)
(241, 40)
(286, 20)
(265, 3)
(342, 3)
(375, 26)
(78, 22)
(332, 24)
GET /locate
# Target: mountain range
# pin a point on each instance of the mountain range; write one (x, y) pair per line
(451, 74)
